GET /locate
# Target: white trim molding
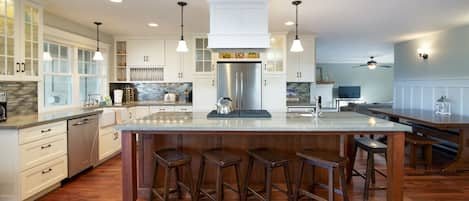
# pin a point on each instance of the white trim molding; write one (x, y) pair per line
(422, 94)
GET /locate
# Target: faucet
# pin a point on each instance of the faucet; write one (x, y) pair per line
(317, 110)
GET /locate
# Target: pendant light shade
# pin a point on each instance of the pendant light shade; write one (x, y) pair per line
(296, 46)
(98, 56)
(182, 45)
(46, 56)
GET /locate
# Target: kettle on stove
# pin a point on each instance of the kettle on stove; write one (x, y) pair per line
(224, 105)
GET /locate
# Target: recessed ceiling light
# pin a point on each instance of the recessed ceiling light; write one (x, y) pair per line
(116, 1)
(289, 23)
(153, 24)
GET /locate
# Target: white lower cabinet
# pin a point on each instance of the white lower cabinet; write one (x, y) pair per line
(43, 176)
(109, 142)
(34, 160)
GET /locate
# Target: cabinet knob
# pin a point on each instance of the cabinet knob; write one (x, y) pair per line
(265, 82)
(213, 82)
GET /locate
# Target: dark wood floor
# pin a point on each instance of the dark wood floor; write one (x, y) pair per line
(104, 184)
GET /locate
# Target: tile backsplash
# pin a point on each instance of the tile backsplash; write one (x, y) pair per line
(298, 92)
(21, 97)
(153, 91)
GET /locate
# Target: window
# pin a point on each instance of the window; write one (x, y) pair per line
(57, 76)
(89, 72)
(71, 78)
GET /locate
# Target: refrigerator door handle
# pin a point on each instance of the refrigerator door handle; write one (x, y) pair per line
(236, 91)
(242, 90)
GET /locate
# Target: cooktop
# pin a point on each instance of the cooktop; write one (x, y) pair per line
(241, 114)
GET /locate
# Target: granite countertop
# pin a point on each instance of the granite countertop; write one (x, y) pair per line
(152, 103)
(25, 121)
(300, 104)
(287, 122)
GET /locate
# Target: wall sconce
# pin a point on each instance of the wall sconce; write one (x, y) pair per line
(423, 52)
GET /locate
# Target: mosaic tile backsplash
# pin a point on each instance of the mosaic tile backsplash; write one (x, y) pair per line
(298, 92)
(153, 91)
(21, 97)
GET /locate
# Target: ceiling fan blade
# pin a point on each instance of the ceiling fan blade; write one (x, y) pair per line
(360, 66)
(385, 66)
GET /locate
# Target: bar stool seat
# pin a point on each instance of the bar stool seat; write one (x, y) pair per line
(221, 159)
(326, 160)
(269, 160)
(267, 157)
(171, 159)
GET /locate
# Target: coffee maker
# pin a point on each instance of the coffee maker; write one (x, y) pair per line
(3, 106)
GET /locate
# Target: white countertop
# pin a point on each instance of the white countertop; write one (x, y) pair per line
(286, 122)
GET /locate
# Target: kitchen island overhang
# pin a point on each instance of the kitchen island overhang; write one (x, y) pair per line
(286, 132)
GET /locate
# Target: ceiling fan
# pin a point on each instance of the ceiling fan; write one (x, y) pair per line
(372, 64)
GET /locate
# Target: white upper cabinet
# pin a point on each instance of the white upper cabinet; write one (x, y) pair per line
(276, 55)
(301, 66)
(205, 93)
(179, 65)
(203, 56)
(20, 40)
(146, 52)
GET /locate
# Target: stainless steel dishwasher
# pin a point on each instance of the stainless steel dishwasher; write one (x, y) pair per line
(82, 144)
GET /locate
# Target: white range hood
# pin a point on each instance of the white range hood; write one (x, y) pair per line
(239, 24)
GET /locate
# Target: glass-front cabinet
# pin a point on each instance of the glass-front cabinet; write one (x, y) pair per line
(20, 40)
(275, 56)
(203, 56)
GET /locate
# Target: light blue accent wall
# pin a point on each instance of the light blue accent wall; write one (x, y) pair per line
(376, 85)
(448, 59)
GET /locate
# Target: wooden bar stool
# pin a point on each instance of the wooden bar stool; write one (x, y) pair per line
(171, 159)
(269, 160)
(325, 160)
(221, 160)
(372, 147)
(415, 141)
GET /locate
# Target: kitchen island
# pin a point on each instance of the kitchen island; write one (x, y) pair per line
(284, 132)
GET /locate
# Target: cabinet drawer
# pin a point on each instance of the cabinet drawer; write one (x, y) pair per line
(155, 109)
(43, 176)
(36, 153)
(183, 109)
(42, 131)
(108, 144)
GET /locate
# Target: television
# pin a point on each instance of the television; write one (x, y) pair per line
(349, 92)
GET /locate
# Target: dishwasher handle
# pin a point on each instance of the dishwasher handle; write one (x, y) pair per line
(82, 122)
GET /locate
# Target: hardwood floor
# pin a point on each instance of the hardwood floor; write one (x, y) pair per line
(104, 184)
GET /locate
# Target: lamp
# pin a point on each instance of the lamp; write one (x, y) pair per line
(182, 45)
(372, 66)
(296, 46)
(98, 56)
(423, 52)
(46, 56)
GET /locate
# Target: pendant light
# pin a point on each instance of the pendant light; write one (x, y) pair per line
(296, 46)
(98, 56)
(182, 45)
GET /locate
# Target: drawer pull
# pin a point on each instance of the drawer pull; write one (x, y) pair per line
(162, 109)
(46, 131)
(46, 171)
(116, 136)
(183, 109)
(47, 146)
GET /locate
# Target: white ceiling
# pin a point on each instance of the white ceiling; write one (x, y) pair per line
(347, 30)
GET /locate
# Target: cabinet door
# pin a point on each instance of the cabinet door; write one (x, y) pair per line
(307, 60)
(145, 52)
(274, 90)
(293, 61)
(204, 94)
(32, 20)
(172, 70)
(188, 64)
(276, 55)
(203, 56)
(8, 33)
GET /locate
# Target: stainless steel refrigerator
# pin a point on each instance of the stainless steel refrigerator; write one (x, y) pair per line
(242, 82)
